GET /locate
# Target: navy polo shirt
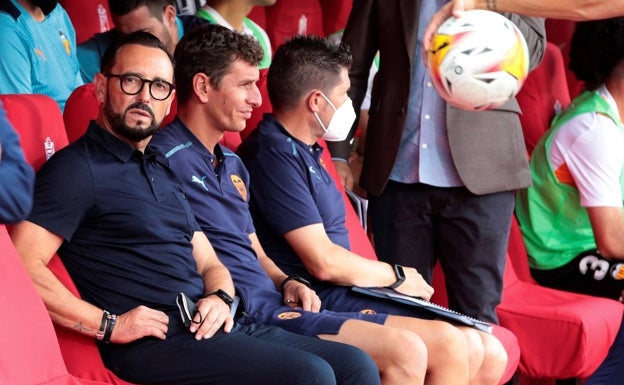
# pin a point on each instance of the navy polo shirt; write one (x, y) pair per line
(220, 199)
(126, 223)
(290, 188)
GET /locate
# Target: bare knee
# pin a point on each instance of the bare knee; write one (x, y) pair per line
(494, 361)
(448, 343)
(406, 358)
(476, 350)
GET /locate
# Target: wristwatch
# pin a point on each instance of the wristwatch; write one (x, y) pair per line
(223, 295)
(294, 278)
(400, 275)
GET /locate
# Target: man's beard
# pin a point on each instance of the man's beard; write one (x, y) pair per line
(118, 122)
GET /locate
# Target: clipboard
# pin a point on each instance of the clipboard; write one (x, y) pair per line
(438, 310)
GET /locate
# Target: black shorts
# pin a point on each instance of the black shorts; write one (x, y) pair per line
(588, 273)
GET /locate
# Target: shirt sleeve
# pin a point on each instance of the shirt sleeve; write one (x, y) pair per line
(595, 161)
(281, 191)
(64, 193)
(16, 176)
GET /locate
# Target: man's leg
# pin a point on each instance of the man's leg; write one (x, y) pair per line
(234, 358)
(473, 234)
(489, 368)
(483, 353)
(403, 226)
(351, 365)
(400, 355)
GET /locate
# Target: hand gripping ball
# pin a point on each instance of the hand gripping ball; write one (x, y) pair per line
(478, 61)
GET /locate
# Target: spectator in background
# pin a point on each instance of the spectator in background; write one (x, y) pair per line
(232, 14)
(157, 17)
(300, 217)
(119, 219)
(38, 50)
(440, 181)
(572, 218)
(16, 176)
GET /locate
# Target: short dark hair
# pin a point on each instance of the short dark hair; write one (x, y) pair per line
(211, 49)
(302, 64)
(123, 7)
(140, 38)
(596, 48)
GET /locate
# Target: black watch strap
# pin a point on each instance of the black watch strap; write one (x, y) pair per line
(400, 276)
(294, 278)
(223, 295)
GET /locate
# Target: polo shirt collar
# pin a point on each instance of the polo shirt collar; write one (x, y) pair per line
(316, 148)
(115, 146)
(218, 152)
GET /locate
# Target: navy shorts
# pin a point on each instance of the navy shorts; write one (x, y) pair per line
(324, 322)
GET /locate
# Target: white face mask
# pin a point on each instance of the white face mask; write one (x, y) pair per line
(340, 124)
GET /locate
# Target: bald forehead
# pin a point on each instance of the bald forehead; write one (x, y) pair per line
(149, 62)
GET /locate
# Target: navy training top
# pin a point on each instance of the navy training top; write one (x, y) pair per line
(290, 188)
(220, 199)
(125, 220)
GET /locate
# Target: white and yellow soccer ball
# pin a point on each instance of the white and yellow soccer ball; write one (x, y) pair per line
(478, 61)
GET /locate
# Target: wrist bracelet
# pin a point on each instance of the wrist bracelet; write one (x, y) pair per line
(110, 324)
(294, 278)
(100, 333)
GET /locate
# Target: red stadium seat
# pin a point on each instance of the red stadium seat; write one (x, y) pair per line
(544, 93)
(358, 239)
(287, 18)
(561, 334)
(81, 107)
(38, 121)
(335, 15)
(560, 33)
(29, 353)
(88, 17)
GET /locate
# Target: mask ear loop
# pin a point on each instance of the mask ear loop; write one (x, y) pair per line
(320, 122)
(329, 101)
(316, 114)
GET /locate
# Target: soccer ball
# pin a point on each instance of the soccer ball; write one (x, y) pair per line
(478, 61)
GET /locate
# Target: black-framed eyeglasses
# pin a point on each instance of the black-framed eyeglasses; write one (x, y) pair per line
(132, 84)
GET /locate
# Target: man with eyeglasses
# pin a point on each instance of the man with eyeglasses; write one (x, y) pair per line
(120, 221)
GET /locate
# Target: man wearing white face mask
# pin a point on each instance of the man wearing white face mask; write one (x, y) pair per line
(299, 214)
(341, 121)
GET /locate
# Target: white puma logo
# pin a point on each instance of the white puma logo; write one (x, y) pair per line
(200, 181)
